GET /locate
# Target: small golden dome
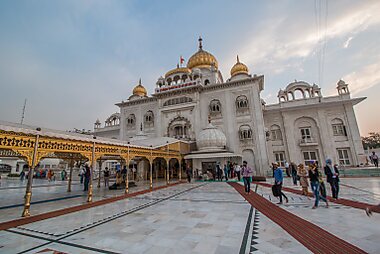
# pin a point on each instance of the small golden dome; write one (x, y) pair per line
(139, 90)
(178, 70)
(202, 59)
(239, 68)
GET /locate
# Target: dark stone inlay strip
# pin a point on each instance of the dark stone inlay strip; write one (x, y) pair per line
(42, 201)
(246, 232)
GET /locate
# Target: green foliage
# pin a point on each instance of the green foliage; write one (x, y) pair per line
(372, 140)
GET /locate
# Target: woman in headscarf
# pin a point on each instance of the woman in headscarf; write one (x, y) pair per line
(302, 173)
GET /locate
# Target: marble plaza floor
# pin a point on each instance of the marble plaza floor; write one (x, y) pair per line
(198, 217)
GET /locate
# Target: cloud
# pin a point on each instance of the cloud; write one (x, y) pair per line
(347, 42)
(363, 79)
(278, 43)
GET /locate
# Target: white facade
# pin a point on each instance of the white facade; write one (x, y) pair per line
(298, 128)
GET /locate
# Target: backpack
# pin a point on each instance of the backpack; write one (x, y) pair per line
(275, 190)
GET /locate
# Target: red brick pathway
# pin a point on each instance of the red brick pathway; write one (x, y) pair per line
(44, 216)
(310, 235)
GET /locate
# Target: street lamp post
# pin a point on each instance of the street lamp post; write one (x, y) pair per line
(28, 192)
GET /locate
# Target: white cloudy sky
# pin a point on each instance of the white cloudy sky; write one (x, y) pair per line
(73, 60)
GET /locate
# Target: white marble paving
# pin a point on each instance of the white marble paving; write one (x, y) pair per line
(210, 218)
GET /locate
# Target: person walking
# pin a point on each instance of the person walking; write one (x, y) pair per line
(49, 175)
(314, 182)
(322, 187)
(22, 175)
(226, 172)
(375, 159)
(247, 174)
(219, 171)
(81, 175)
(302, 173)
(293, 169)
(237, 170)
(278, 179)
(332, 174)
(106, 177)
(188, 173)
(87, 175)
(287, 170)
(63, 174)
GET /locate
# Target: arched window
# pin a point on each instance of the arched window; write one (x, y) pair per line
(131, 121)
(149, 119)
(207, 82)
(113, 120)
(215, 107)
(275, 132)
(245, 132)
(241, 102)
(338, 127)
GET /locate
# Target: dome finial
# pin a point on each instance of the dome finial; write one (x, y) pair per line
(140, 82)
(237, 58)
(200, 42)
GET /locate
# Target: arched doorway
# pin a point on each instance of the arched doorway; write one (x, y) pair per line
(180, 128)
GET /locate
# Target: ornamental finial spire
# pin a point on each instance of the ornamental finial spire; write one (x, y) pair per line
(237, 58)
(140, 82)
(200, 42)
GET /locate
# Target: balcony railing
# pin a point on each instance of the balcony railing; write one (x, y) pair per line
(308, 142)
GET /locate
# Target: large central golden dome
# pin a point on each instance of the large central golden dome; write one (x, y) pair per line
(202, 59)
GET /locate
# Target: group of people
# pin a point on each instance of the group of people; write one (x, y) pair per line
(316, 180)
(230, 170)
(85, 174)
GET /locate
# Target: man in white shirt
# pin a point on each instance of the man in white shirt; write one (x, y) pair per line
(237, 170)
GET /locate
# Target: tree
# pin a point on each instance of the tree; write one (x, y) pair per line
(372, 140)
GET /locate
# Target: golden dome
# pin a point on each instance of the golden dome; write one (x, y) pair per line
(139, 90)
(239, 68)
(202, 59)
(178, 70)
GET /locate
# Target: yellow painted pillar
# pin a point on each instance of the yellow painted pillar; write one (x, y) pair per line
(71, 165)
(151, 174)
(28, 191)
(180, 170)
(167, 171)
(93, 163)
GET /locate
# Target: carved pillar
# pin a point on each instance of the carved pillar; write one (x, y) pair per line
(93, 163)
(151, 174)
(167, 171)
(100, 171)
(180, 170)
(71, 165)
(28, 191)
